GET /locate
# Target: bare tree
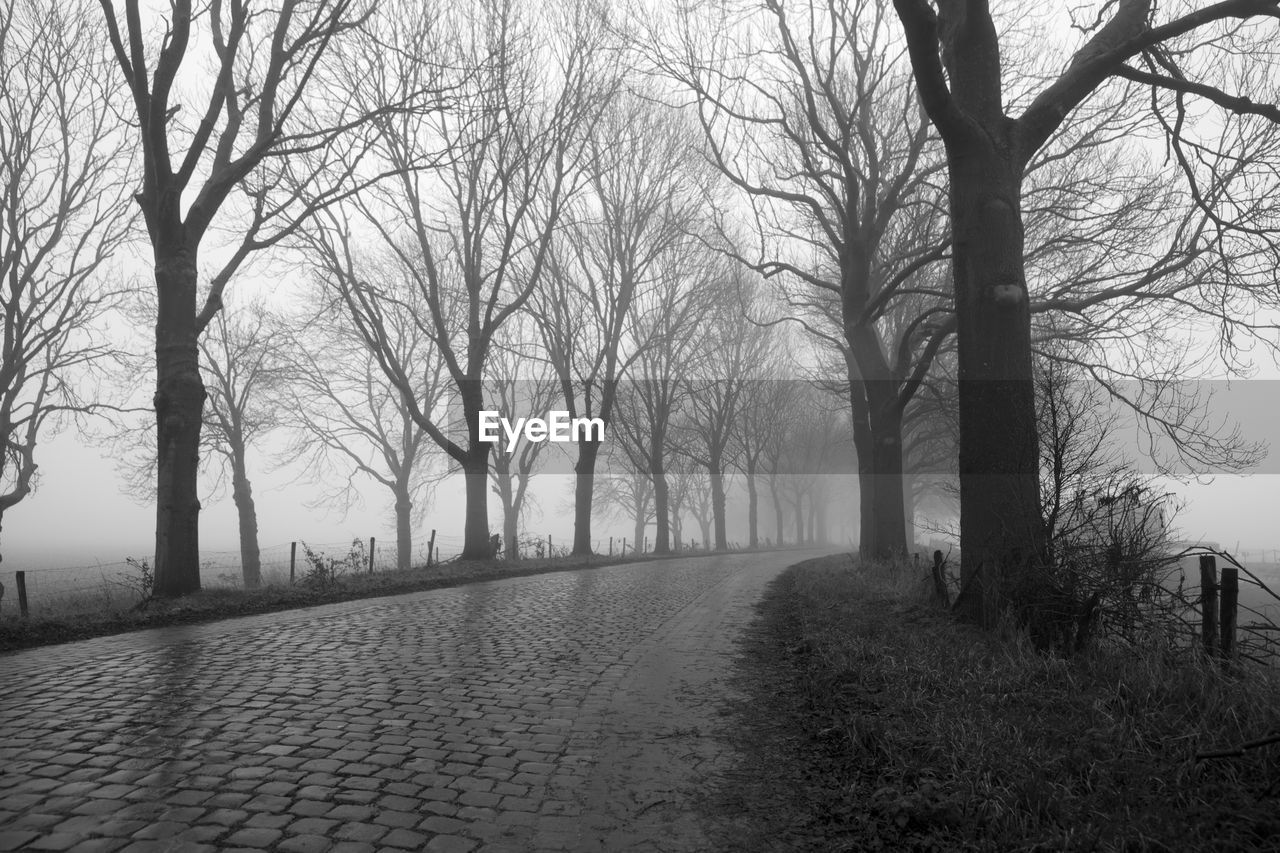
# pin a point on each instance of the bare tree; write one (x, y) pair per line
(955, 54)
(647, 184)
(471, 235)
(251, 125)
(765, 407)
(245, 359)
(350, 421)
(663, 323)
(523, 382)
(732, 349)
(64, 211)
(807, 114)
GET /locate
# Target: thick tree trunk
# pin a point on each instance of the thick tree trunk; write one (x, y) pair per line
(179, 404)
(1002, 539)
(753, 507)
(880, 489)
(404, 527)
(661, 506)
(242, 495)
(718, 506)
(475, 467)
(584, 489)
(476, 544)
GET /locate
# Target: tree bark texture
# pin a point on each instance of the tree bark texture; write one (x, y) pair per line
(1000, 523)
(247, 515)
(179, 404)
(584, 490)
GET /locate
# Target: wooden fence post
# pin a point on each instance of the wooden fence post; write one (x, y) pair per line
(293, 558)
(1209, 603)
(548, 546)
(610, 546)
(624, 546)
(22, 594)
(1227, 622)
(431, 547)
(371, 554)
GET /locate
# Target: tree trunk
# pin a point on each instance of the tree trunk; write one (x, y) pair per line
(637, 542)
(475, 544)
(661, 510)
(584, 488)
(800, 519)
(404, 527)
(880, 488)
(718, 506)
(511, 533)
(179, 403)
(1002, 539)
(779, 524)
(753, 507)
(242, 495)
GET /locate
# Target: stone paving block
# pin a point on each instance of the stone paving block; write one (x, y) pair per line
(260, 837)
(305, 844)
(450, 844)
(99, 845)
(16, 839)
(459, 708)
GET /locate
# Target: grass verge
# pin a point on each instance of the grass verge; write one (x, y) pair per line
(79, 623)
(874, 722)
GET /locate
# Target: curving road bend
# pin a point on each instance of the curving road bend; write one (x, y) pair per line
(569, 711)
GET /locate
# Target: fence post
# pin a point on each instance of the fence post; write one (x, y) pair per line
(548, 546)
(1209, 602)
(371, 554)
(610, 546)
(1229, 599)
(293, 558)
(431, 547)
(624, 546)
(22, 593)
(646, 546)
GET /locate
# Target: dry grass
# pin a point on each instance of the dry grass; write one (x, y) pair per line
(896, 728)
(113, 609)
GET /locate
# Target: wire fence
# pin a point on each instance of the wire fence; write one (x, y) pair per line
(113, 586)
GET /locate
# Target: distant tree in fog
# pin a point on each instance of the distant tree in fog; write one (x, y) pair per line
(522, 383)
(351, 422)
(646, 186)
(469, 234)
(244, 357)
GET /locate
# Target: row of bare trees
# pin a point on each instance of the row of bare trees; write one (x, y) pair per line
(621, 210)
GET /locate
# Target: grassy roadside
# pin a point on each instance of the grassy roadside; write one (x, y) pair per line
(214, 604)
(874, 722)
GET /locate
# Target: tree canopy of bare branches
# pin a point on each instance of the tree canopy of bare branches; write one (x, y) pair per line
(64, 212)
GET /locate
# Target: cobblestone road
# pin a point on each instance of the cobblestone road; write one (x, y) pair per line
(571, 711)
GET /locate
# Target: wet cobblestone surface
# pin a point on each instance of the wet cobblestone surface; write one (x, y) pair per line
(571, 711)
